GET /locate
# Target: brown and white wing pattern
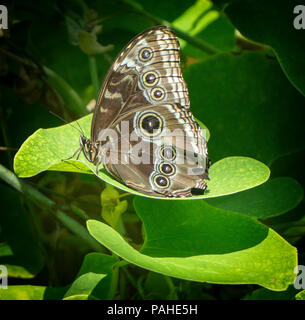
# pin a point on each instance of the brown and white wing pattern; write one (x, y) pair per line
(145, 89)
(169, 162)
(146, 71)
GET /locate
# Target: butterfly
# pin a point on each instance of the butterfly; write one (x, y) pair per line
(142, 130)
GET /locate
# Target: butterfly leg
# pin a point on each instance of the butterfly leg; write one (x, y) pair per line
(77, 151)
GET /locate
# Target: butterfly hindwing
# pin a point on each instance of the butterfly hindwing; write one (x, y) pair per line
(174, 154)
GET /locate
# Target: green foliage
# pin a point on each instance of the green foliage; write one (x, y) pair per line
(94, 279)
(265, 294)
(26, 292)
(21, 251)
(88, 236)
(300, 295)
(271, 23)
(239, 250)
(257, 107)
(265, 201)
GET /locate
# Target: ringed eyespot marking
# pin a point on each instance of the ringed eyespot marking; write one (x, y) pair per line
(157, 93)
(161, 181)
(150, 124)
(167, 168)
(145, 54)
(150, 78)
(168, 153)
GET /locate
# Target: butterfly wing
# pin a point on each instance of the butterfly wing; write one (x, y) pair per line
(168, 162)
(150, 61)
(145, 90)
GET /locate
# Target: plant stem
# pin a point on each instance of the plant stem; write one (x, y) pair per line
(79, 212)
(4, 134)
(122, 263)
(122, 286)
(172, 288)
(140, 287)
(114, 283)
(130, 278)
(42, 201)
(124, 195)
(70, 96)
(70, 198)
(94, 74)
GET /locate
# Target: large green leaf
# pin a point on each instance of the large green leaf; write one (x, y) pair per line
(46, 148)
(272, 22)
(272, 198)
(248, 105)
(192, 240)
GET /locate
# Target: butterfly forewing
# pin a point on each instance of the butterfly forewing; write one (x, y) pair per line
(124, 86)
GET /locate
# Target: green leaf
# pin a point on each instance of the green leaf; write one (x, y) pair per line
(7, 258)
(264, 294)
(202, 21)
(235, 174)
(168, 10)
(23, 293)
(93, 279)
(248, 105)
(270, 199)
(194, 241)
(156, 287)
(46, 148)
(272, 23)
(83, 286)
(89, 45)
(112, 207)
(29, 292)
(300, 295)
(16, 271)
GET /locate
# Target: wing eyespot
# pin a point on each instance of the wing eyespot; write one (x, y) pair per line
(168, 153)
(157, 93)
(161, 181)
(150, 78)
(145, 54)
(150, 124)
(167, 169)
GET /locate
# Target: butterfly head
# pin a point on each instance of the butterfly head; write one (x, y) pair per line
(89, 149)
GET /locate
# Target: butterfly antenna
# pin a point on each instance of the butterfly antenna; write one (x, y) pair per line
(80, 130)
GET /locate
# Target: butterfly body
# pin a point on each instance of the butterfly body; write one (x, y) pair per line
(143, 131)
